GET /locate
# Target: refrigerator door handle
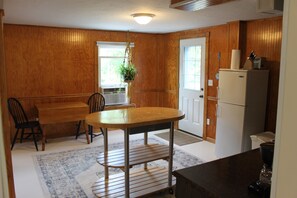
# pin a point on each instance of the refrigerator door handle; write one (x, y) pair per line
(218, 111)
(218, 93)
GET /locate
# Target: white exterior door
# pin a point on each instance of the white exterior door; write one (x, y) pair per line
(191, 84)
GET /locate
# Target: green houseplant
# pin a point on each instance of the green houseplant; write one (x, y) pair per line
(128, 72)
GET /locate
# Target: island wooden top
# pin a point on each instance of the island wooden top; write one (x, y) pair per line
(133, 117)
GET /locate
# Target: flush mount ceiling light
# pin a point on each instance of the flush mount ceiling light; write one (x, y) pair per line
(143, 18)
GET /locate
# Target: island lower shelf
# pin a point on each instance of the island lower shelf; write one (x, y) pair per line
(137, 155)
(142, 182)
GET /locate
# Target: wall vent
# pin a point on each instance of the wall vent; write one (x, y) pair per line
(270, 6)
(193, 5)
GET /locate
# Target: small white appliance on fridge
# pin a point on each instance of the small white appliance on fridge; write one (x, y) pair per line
(241, 109)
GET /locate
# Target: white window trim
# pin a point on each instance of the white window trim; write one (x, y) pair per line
(109, 43)
(113, 43)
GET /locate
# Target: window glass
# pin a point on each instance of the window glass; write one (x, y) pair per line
(192, 67)
(110, 59)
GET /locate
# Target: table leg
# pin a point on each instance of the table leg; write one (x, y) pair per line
(106, 173)
(43, 138)
(127, 183)
(86, 126)
(145, 143)
(170, 161)
(87, 132)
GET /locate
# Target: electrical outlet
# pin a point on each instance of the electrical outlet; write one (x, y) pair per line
(210, 82)
(207, 121)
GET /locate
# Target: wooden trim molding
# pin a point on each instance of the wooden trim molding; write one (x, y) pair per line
(205, 83)
(195, 35)
(212, 98)
(154, 90)
(4, 112)
(96, 69)
(211, 140)
(66, 96)
(170, 91)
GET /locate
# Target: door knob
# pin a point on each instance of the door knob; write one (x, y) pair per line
(201, 96)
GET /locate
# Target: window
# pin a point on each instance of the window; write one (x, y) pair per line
(110, 56)
(192, 67)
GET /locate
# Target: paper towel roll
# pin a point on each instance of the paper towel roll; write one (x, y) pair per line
(235, 59)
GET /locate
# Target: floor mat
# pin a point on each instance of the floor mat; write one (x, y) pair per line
(180, 138)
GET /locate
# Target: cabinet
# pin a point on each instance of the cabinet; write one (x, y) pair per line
(132, 121)
(226, 177)
(193, 5)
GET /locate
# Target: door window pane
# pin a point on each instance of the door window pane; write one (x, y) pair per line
(192, 67)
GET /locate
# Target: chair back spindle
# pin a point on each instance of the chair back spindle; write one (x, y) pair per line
(96, 102)
(17, 112)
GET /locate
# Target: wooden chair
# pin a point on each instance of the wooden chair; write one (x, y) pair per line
(96, 103)
(21, 122)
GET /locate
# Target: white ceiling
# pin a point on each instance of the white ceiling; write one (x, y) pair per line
(116, 14)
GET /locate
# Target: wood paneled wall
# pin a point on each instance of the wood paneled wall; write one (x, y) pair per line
(60, 64)
(264, 38)
(148, 57)
(46, 64)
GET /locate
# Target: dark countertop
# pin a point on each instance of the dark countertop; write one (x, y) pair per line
(226, 177)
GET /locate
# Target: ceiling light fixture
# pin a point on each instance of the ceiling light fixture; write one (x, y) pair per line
(143, 18)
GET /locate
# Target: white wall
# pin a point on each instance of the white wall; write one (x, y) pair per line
(284, 181)
(4, 193)
(3, 174)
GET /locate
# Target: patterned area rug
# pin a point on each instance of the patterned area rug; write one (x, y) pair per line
(72, 173)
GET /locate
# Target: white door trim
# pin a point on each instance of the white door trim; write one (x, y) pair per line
(190, 99)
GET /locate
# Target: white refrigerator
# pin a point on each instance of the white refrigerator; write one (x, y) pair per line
(240, 110)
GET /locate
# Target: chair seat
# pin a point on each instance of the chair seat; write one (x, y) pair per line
(30, 124)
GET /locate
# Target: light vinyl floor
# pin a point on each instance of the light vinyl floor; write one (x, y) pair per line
(27, 184)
